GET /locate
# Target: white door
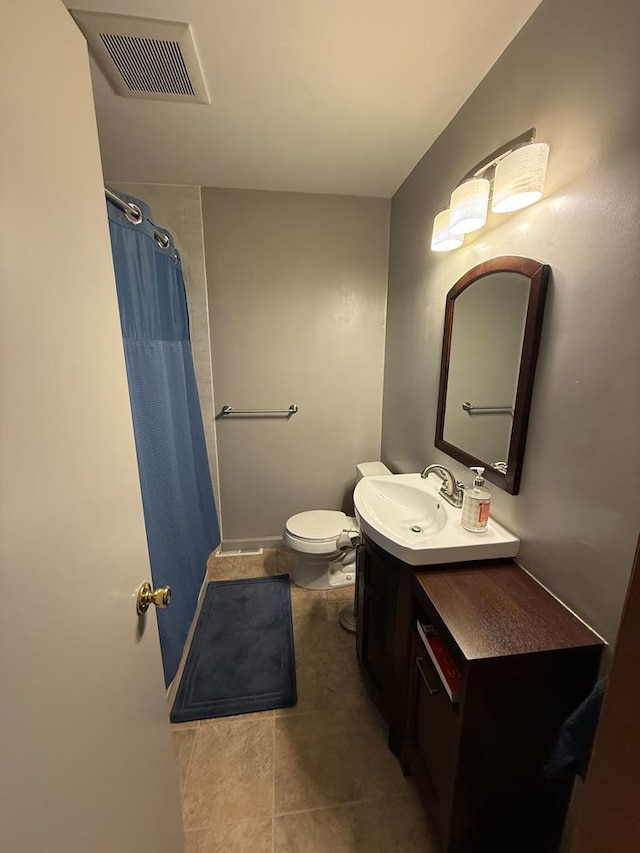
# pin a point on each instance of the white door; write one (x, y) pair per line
(85, 754)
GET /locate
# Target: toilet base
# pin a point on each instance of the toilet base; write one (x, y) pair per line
(324, 574)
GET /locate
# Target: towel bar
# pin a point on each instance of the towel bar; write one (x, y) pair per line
(229, 410)
(483, 410)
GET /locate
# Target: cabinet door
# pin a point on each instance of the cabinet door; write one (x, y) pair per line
(433, 726)
(376, 597)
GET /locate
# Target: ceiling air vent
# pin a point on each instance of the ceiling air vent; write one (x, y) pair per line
(144, 58)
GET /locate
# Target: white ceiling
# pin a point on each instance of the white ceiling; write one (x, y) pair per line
(324, 96)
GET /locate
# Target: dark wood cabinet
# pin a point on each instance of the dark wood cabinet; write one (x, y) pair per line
(376, 598)
(525, 662)
(431, 732)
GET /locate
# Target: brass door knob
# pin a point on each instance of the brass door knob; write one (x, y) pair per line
(146, 596)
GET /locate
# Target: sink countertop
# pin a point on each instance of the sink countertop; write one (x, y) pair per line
(388, 507)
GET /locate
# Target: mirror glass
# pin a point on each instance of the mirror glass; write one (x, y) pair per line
(492, 330)
(486, 345)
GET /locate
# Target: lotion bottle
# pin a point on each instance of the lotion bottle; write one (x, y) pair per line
(476, 504)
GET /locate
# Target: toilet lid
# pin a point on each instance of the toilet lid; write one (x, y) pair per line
(317, 524)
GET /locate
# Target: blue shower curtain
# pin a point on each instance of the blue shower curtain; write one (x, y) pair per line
(179, 510)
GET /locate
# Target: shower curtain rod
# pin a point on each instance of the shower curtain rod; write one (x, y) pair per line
(135, 215)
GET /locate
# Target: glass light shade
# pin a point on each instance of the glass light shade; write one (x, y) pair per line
(442, 240)
(469, 203)
(519, 179)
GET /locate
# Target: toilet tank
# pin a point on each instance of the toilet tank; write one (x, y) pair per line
(371, 469)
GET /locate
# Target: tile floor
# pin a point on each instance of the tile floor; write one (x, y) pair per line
(315, 778)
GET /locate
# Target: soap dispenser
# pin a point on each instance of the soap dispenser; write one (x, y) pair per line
(476, 504)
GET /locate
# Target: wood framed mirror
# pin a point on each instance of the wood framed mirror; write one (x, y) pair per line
(492, 328)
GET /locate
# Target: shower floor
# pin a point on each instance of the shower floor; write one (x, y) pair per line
(317, 777)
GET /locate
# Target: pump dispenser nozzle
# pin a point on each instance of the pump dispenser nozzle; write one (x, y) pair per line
(478, 479)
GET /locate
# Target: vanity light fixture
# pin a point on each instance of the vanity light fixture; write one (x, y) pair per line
(513, 175)
(442, 240)
(519, 178)
(469, 204)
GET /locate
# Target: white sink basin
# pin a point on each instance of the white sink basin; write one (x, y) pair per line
(404, 514)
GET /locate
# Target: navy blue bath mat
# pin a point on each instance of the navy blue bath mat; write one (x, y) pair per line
(242, 656)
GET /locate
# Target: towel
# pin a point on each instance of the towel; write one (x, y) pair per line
(347, 540)
(572, 751)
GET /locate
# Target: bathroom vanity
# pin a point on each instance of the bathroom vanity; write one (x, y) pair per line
(516, 662)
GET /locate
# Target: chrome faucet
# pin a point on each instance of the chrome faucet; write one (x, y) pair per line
(451, 490)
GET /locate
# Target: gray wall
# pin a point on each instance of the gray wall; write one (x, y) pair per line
(297, 294)
(573, 72)
(179, 210)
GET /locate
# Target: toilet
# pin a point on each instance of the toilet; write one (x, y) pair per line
(324, 541)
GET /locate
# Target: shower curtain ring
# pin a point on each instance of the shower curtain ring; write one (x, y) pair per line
(133, 214)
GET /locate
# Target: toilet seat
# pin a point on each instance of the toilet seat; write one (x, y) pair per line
(317, 524)
(315, 531)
